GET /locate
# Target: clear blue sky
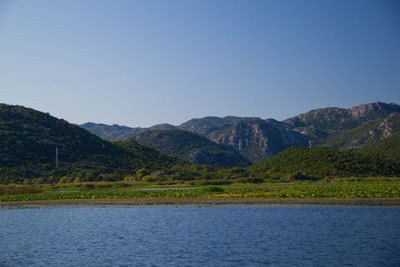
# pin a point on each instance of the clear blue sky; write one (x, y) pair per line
(140, 63)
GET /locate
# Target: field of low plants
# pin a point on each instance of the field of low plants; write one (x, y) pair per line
(350, 191)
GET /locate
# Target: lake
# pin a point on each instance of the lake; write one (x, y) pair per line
(190, 236)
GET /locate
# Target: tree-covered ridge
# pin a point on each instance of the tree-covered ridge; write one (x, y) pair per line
(191, 147)
(28, 141)
(320, 162)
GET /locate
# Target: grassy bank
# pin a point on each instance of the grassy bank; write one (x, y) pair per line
(349, 191)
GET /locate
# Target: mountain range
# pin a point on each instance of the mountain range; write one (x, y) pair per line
(36, 147)
(257, 139)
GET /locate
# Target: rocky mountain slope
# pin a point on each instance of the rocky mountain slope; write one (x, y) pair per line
(320, 124)
(211, 127)
(191, 147)
(253, 138)
(257, 139)
(369, 132)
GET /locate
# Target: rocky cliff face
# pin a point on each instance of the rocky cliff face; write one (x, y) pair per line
(259, 139)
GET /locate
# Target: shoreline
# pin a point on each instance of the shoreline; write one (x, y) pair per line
(198, 202)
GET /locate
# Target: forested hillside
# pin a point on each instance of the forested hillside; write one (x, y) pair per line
(311, 163)
(28, 142)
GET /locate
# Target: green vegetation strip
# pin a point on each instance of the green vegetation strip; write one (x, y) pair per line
(342, 192)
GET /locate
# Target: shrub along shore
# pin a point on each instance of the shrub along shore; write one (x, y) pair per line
(212, 193)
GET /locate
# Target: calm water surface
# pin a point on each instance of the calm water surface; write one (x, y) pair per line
(184, 236)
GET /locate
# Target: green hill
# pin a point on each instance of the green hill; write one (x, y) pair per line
(191, 147)
(28, 141)
(309, 163)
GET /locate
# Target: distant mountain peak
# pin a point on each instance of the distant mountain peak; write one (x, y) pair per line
(369, 109)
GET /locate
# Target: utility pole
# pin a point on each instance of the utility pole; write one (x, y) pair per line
(56, 156)
(333, 174)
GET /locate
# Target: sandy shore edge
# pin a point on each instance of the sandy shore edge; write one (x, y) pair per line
(198, 202)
